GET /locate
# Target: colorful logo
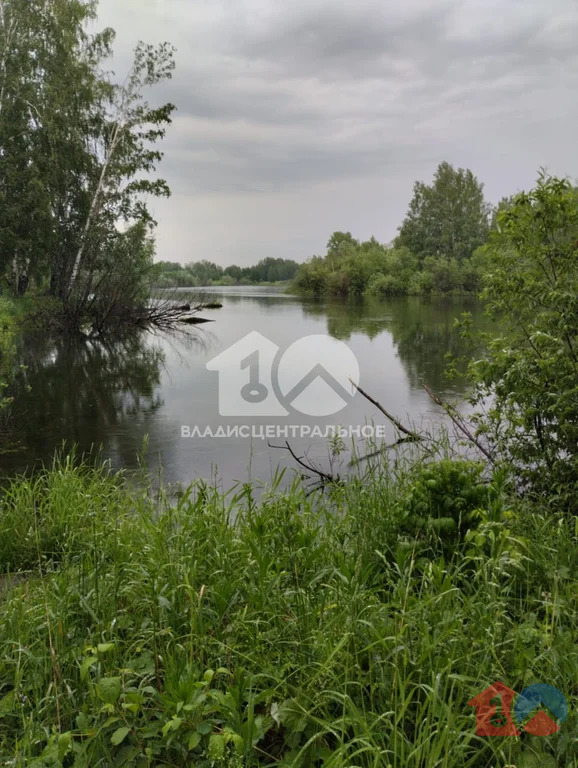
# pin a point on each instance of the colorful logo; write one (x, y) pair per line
(494, 707)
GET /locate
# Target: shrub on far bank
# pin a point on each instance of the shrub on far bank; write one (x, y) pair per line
(377, 270)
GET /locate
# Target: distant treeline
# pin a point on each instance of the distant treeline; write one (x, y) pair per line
(200, 273)
(438, 249)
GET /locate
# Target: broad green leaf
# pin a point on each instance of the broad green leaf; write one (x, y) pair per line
(119, 735)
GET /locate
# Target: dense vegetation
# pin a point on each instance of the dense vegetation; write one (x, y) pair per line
(226, 631)
(76, 153)
(6, 345)
(274, 627)
(526, 387)
(201, 273)
(437, 250)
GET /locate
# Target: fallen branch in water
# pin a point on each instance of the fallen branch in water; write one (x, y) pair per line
(415, 436)
(460, 424)
(323, 478)
(384, 449)
(166, 311)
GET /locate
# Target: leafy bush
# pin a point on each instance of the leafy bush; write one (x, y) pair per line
(385, 285)
(445, 499)
(353, 269)
(530, 375)
(225, 631)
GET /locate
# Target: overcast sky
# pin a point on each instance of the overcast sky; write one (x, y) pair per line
(300, 117)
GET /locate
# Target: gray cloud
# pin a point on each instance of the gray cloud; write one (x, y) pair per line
(347, 41)
(275, 96)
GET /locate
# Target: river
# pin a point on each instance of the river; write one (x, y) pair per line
(157, 386)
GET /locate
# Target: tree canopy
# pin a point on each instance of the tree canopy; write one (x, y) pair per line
(437, 249)
(76, 153)
(449, 218)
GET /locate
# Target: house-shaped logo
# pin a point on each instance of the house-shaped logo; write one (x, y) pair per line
(316, 376)
(245, 378)
(493, 711)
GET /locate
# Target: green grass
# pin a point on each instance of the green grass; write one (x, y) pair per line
(9, 312)
(265, 627)
(8, 321)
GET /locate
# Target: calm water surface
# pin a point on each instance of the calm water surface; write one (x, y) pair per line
(119, 393)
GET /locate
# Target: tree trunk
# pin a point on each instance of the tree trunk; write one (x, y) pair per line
(94, 208)
(22, 284)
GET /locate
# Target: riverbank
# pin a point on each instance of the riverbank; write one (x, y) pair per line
(10, 315)
(253, 629)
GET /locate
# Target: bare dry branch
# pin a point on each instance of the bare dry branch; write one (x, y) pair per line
(460, 424)
(323, 480)
(380, 451)
(396, 423)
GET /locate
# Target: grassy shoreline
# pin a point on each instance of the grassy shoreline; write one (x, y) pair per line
(250, 629)
(10, 314)
(15, 314)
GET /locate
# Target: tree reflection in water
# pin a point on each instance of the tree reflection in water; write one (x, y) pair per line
(423, 331)
(89, 392)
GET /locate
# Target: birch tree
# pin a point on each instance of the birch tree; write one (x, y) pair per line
(46, 94)
(447, 219)
(128, 153)
(77, 150)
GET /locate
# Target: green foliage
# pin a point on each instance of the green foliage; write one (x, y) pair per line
(44, 54)
(121, 281)
(435, 251)
(215, 630)
(200, 273)
(76, 152)
(385, 285)
(444, 501)
(311, 277)
(448, 219)
(530, 374)
(351, 268)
